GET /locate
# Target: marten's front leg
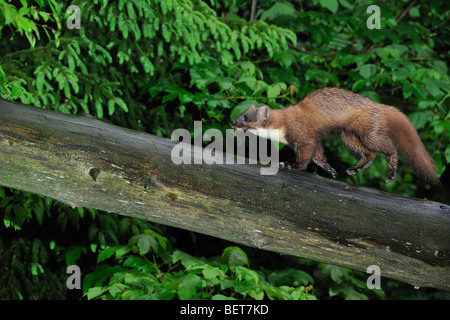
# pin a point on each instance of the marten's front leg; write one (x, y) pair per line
(312, 151)
(320, 160)
(305, 153)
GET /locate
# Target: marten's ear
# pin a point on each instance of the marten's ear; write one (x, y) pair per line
(252, 108)
(263, 113)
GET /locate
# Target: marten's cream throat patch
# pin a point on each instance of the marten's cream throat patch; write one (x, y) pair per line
(269, 133)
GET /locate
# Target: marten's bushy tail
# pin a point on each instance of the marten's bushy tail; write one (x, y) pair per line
(407, 140)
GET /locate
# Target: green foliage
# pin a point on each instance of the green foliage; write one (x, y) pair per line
(24, 20)
(342, 283)
(183, 276)
(158, 65)
(28, 273)
(9, 90)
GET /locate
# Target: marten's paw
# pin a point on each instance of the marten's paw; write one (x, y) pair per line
(352, 171)
(330, 170)
(287, 164)
(390, 177)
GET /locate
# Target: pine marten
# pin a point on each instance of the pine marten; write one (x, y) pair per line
(365, 127)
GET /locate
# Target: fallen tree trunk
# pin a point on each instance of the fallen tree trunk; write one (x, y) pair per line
(85, 162)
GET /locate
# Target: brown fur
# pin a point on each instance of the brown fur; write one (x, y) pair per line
(365, 127)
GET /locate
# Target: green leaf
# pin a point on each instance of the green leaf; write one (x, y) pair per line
(447, 154)
(221, 297)
(331, 5)
(71, 62)
(279, 9)
(407, 90)
(110, 107)
(21, 214)
(337, 274)
(211, 273)
(322, 76)
(187, 260)
(99, 108)
(426, 104)
(249, 82)
(275, 89)
(241, 108)
(106, 253)
(75, 86)
(84, 106)
(144, 242)
(95, 292)
(418, 91)
(40, 82)
(243, 273)
(371, 95)
(39, 211)
(121, 104)
(287, 276)
(148, 66)
(432, 87)
(234, 256)
(36, 268)
(187, 287)
(367, 71)
(346, 4)
(420, 118)
(67, 90)
(130, 10)
(275, 293)
(375, 35)
(73, 254)
(414, 12)
(439, 163)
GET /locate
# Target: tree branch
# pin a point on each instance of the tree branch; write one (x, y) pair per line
(85, 162)
(253, 10)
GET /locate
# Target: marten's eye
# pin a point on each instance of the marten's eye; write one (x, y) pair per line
(246, 118)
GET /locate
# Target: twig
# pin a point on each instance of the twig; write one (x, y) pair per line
(167, 272)
(253, 10)
(121, 288)
(406, 11)
(44, 26)
(440, 24)
(144, 257)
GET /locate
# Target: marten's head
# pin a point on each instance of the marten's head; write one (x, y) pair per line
(253, 118)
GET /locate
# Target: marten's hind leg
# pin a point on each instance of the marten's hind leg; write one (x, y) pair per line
(392, 166)
(353, 143)
(380, 142)
(320, 160)
(388, 148)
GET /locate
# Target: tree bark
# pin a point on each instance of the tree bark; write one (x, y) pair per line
(85, 162)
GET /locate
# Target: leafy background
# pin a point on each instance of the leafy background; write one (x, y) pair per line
(156, 66)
